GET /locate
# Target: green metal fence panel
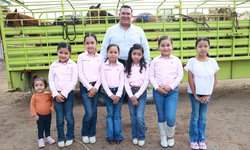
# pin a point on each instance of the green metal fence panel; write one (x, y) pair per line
(30, 50)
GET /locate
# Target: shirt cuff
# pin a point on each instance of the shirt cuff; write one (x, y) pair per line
(89, 87)
(54, 94)
(130, 94)
(172, 86)
(65, 94)
(118, 94)
(109, 93)
(97, 87)
(137, 95)
(155, 86)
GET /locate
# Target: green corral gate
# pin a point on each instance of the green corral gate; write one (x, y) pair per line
(30, 50)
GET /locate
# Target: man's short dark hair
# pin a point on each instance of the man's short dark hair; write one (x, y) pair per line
(126, 6)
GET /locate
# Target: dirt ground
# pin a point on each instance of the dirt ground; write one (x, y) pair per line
(228, 122)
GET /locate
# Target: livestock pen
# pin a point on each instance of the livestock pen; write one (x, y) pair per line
(30, 43)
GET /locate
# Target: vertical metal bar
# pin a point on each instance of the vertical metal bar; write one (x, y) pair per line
(47, 41)
(217, 38)
(10, 85)
(24, 45)
(63, 17)
(249, 38)
(233, 30)
(62, 5)
(232, 69)
(197, 28)
(164, 25)
(181, 30)
(83, 24)
(233, 45)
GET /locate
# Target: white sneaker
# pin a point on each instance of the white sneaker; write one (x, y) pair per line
(141, 142)
(194, 145)
(50, 140)
(135, 141)
(85, 139)
(41, 143)
(92, 139)
(61, 144)
(202, 145)
(68, 142)
(171, 142)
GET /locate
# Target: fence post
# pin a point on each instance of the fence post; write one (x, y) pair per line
(5, 49)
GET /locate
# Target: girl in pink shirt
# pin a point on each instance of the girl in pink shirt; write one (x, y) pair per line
(41, 106)
(112, 76)
(89, 68)
(166, 72)
(136, 83)
(63, 77)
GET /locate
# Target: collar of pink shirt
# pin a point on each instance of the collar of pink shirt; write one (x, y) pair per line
(69, 61)
(87, 53)
(170, 57)
(107, 62)
(136, 65)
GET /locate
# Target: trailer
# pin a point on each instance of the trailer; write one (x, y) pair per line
(30, 49)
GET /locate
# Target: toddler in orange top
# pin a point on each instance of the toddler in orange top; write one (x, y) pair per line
(41, 105)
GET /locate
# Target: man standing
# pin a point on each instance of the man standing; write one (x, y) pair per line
(125, 34)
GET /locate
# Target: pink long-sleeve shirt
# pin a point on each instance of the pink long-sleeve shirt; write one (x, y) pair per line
(112, 76)
(62, 77)
(137, 79)
(89, 69)
(166, 71)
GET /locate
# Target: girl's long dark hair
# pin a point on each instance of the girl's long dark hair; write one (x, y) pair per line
(129, 62)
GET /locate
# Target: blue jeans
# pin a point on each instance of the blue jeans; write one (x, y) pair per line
(114, 119)
(65, 109)
(43, 125)
(197, 127)
(166, 106)
(90, 116)
(137, 116)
